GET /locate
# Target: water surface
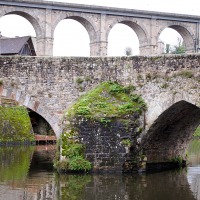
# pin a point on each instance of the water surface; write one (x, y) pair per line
(26, 173)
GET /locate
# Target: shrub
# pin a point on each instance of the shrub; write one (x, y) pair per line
(78, 163)
(73, 152)
(126, 142)
(83, 110)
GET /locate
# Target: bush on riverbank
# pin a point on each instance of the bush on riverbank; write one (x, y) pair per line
(15, 125)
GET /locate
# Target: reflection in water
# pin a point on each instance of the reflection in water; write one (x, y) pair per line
(26, 173)
(15, 162)
(194, 168)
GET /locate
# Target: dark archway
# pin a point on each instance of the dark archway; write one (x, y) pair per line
(39, 124)
(168, 137)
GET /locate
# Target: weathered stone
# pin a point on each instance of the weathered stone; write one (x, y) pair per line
(98, 21)
(161, 81)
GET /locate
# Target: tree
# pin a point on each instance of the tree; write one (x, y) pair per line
(180, 48)
(167, 49)
(128, 51)
(176, 49)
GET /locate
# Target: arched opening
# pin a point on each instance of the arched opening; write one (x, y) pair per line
(42, 130)
(71, 38)
(17, 25)
(169, 136)
(14, 115)
(175, 39)
(122, 38)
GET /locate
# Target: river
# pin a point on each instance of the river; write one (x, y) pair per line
(26, 173)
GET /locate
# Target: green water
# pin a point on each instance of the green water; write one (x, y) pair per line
(26, 173)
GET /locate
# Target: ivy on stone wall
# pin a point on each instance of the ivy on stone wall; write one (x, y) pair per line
(15, 125)
(109, 105)
(107, 100)
(73, 152)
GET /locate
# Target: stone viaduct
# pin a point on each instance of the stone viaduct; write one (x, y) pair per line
(98, 21)
(168, 84)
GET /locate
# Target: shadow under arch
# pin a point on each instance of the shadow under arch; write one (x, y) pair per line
(185, 34)
(31, 19)
(169, 136)
(39, 124)
(138, 29)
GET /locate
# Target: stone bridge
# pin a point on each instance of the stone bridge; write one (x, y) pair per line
(168, 84)
(98, 21)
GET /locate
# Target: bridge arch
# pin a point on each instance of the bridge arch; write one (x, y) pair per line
(185, 33)
(33, 105)
(138, 28)
(87, 24)
(34, 22)
(169, 135)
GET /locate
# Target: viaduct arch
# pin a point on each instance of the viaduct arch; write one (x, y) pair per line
(44, 16)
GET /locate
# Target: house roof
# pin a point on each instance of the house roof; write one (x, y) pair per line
(12, 45)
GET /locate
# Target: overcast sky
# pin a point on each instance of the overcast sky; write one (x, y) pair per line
(71, 38)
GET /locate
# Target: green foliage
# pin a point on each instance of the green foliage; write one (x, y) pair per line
(108, 100)
(128, 89)
(79, 80)
(78, 163)
(197, 132)
(105, 120)
(115, 89)
(72, 186)
(186, 74)
(138, 99)
(1, 82)
(126, 108)
(178, 160)
(15, 125)
(164, 85)
(194, 147)
(126, 142)
(177, 49)
(83, 110)
(88, 78)
(73, 151)
(15, 162)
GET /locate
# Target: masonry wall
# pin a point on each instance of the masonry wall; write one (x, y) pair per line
(49, 85)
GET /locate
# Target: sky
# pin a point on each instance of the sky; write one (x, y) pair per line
(121, 36)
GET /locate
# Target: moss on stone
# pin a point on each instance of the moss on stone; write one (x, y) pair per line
(197, 132)
(15, 125)
(73, 152)
(108, 108)
(107, 100)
